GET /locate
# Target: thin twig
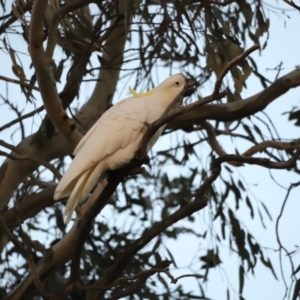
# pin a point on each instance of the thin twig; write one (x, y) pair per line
(129, 291)
(184, 211)
(21, 118)
(13, 18)
(25, 156)
(291, 3)
(32, 267)
(231, 64)
(12, 238)
(281, 145)
(58, 14)
(18, 113)
(7, 79)
(258, 147)
(174, 280)
(281, 246)
(216, 166)
(143, 274)
(205, 100)
(224, 3)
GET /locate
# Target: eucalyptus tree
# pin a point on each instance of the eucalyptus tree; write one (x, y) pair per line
(64, 64)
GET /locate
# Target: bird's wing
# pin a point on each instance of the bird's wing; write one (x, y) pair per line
(115, 132)
(94, 127)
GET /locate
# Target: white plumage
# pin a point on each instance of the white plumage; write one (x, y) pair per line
(113, 140)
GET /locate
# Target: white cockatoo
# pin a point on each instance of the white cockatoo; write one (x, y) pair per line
(113, 140)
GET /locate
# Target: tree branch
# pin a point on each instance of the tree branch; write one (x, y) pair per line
(216, 166)
(18, 82)
(13, 239)
(229, 66)
(62, 251)
(31, 264)
(33, 205)
(45, 76)
(117, 268)
(21, 10)
(23, 155)
(233, 111)
(12, 173)
(17, 120)
(57, 16)
(291, 3)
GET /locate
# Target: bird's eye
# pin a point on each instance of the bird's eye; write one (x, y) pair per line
(177, 83)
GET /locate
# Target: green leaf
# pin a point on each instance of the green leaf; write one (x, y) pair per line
(211, 259)
(241, 186)
(248, 203)
(241, 280)
(248, 131)
(171, 257)
(261, 218)
(268, 264)
(295, 115)
(254, 247)
(237, 194)
(247, 12)
(266, 210)
(166, 56)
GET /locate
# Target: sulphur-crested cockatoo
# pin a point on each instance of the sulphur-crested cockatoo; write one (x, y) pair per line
(112, 141)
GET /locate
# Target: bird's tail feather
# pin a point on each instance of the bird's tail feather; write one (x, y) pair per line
(76, 196)
(83, 186)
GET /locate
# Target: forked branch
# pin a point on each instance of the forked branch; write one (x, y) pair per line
(45, 75)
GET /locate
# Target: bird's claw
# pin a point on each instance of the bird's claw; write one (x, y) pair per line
(141, 158)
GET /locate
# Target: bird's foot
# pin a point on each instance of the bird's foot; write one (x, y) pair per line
(141, 159)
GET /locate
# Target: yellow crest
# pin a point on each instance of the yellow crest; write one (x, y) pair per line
(136, 94)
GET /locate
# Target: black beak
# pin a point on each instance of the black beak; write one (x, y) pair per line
(190, 87)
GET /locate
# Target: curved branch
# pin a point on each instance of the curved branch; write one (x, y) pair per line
(12, 17)
(45, 76)
(271, 144)
(57, 15)
(237, 110)
(229, 66)
(22, 155)
(186, 210)
(18, 82)
(64, 249)
(258, 147)
(25, 116)
(34, 203)
(117, 268)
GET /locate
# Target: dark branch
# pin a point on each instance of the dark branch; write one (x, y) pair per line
(229, 66)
